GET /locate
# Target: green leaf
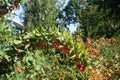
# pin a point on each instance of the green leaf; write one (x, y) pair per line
(17, 42)
(2, 52)
(86, 52)
(6, 57)
(67, 36)
(72, 56)
(42, 70)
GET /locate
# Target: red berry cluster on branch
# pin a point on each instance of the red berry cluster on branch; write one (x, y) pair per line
(5, 8)
(81, 67)
(63, 49)
(15, 5)
(56, 44)
(39, 45)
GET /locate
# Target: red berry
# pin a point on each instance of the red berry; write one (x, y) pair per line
(3, 12)
(15, 5)
(19, 69)
(39, 45)
(81, 67)
(3, 60)
(56, 44)
(65, 49)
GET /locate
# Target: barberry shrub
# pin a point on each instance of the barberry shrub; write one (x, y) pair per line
(44, 54)
(105, 56)
(7, 6)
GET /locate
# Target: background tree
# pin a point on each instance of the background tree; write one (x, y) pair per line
(92, 23)
(41, 13)
(112, 6)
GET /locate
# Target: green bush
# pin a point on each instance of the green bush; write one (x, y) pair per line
(44, 54)
(106, 62)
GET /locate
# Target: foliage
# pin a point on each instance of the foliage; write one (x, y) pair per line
(91, 22)
(41, 13)
(105, 58)
(44, 54)
(7, 6)
(112, 5)
(50, 54)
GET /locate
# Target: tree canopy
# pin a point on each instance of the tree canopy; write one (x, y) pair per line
(40, 13)
(92, 22)
(112, 6)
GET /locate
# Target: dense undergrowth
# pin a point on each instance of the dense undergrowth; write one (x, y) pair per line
(49, 54)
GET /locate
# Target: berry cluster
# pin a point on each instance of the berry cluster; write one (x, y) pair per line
(8, 7)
